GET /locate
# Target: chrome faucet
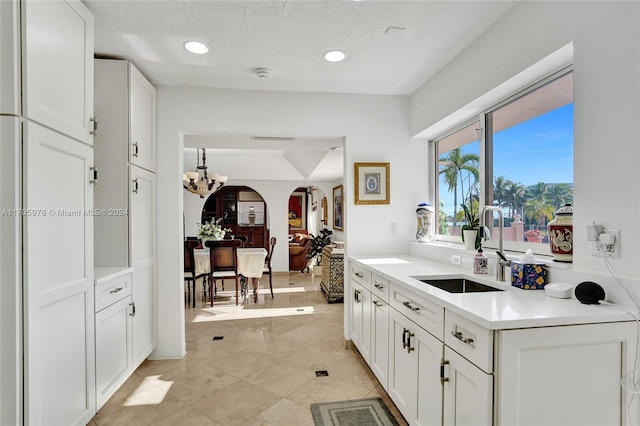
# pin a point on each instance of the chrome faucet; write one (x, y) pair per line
(502, 260)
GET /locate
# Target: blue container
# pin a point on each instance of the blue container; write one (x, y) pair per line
(528, 276)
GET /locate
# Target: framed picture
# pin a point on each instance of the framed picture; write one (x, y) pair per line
(337, 208)
(371, 183)
(297, 211)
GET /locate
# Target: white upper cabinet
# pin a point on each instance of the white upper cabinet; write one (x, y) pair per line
(142, 118)
(57, 67)
(9, 59)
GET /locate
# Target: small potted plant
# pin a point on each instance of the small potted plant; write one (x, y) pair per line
(534, 236)
(318, 243)
(471, 229)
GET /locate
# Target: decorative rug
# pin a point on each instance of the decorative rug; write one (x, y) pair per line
(357, 412)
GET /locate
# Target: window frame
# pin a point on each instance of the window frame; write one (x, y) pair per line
(483, 118)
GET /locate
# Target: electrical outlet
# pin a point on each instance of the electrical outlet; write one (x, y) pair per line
(609, 250)
(394, 228)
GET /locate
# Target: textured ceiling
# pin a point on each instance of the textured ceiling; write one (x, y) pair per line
(392, 47)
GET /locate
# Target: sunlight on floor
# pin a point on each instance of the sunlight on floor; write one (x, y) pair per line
(151, 391)
(226, 313)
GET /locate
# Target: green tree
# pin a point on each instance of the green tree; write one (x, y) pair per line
(453, 166)
(500, 195)
(538, 207)
(515, 197)
(559, 194)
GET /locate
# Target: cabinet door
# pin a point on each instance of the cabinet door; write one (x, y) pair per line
(9, 58)
(57, 82)
(578, 366)
(142, 239)
(58, 279)
(379, 356)
(361, 319)
(414, 380)
(114, 358)
(468, 392)
(142, 121)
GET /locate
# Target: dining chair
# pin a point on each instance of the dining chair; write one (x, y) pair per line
(223, 255)
(267, 263)
(243, 238)
(190, 269)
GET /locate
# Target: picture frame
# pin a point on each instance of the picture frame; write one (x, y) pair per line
(371, 183)
(338, 208)
(297, 211)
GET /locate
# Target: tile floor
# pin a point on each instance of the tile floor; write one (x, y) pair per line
(262, 371)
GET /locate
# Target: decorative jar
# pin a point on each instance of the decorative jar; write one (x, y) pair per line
(560, 232)
(426, 218)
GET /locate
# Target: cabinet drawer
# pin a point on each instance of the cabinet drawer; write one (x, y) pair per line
(361, 275)
(380, 287)
(424, 313)
(111, 291)
(470, 340)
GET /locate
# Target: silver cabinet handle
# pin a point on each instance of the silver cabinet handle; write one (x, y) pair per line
(443, 363)
(378, 304)
(458, 335)
(115, 290)
(408, 305)
(94, 169)
(132, 307)
(404, 338)
(409, 347)
(378, 286)
(94, 121)
(135, 186)
(135, 149)
(356, 296)
(359, 274)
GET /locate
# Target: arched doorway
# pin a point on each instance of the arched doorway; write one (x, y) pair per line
(242, 210)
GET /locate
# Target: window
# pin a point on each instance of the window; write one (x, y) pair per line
(521, 161)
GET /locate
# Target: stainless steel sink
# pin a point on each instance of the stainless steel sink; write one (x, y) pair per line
(457, 285)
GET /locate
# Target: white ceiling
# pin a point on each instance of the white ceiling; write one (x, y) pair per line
(392, 47)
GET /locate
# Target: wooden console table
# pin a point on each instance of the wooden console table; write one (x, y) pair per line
(333, 273)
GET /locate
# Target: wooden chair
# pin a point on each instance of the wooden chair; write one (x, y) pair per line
(223, 256)
(190, 269)
(267, 263)
(243, 238)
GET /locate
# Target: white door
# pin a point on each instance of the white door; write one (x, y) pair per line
(114, 354)
(58, 279)
(58, 70)
(379, 355)
(468, 392)
(142, 118)
(142, 240)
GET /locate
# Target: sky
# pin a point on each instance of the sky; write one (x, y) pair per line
(537, 150)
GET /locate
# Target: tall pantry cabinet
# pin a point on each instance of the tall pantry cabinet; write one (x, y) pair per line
(47, 240)
(125, 155)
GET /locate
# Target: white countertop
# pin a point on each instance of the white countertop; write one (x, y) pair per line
(498, 310)
(102, 274)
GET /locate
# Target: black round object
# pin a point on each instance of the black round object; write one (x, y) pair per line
(589, 293)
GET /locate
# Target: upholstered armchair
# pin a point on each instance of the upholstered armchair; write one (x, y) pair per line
(298, 249)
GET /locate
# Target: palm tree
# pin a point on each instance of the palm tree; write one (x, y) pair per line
(538, 206)
(500, 187)
(452, 167)
(515, 197)
(559, 194)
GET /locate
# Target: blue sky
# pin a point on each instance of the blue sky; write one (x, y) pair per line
(537, 150)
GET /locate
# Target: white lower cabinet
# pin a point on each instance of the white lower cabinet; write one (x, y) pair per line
(379, 355)
(361, 319)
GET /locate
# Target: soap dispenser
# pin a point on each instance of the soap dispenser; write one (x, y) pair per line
(480, 263)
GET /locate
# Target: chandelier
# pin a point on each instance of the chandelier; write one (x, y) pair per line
(199, 182)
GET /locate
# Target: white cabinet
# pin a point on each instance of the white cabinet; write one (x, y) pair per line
(579, 367)
(379, 355)
(414, 379)
(361, 319)
(142, 149)
(125, 233)
(57, 66)
(58, 279)
(114, 338)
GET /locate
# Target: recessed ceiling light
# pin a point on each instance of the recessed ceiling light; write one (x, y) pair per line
(196, 47)
(334, 55)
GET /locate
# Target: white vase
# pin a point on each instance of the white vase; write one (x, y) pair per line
(470, 238)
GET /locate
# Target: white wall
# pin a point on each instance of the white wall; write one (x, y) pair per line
(606, 49)
(375, 128)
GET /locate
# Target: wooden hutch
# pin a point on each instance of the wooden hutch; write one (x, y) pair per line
(232, 204)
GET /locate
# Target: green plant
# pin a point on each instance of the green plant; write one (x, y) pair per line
(317, 243)
(472, 223)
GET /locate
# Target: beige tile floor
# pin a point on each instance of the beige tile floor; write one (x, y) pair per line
(261, 373)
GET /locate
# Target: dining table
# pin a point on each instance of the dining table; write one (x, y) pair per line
(250, 265)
